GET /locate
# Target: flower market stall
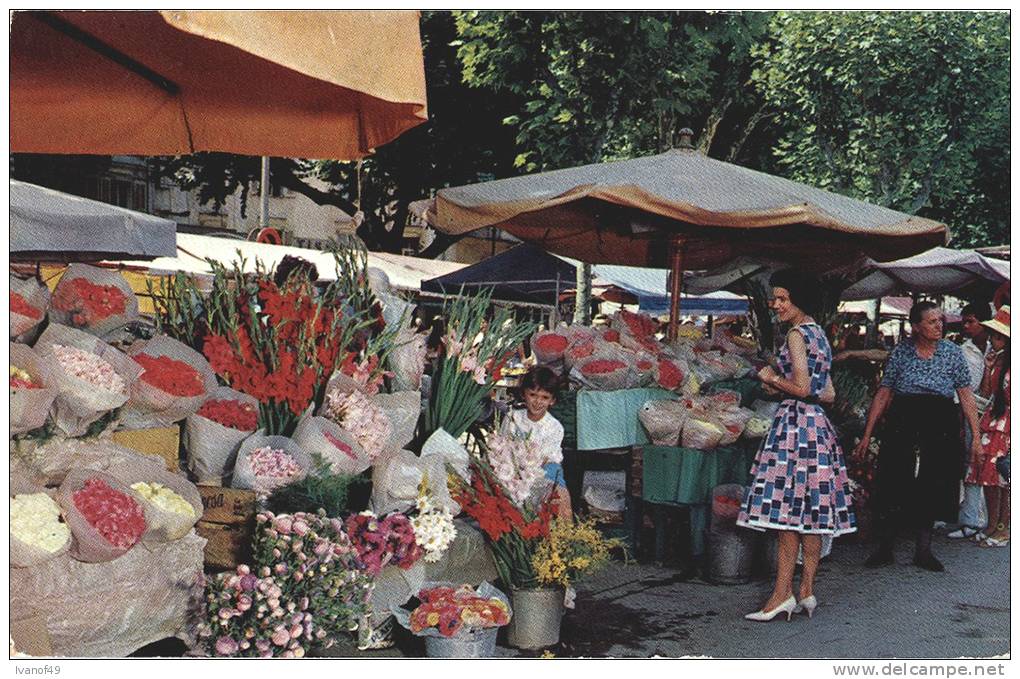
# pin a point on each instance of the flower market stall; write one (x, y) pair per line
(686, 410)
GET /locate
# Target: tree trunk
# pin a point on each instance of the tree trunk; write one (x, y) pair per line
(715, 117)
(582, 300)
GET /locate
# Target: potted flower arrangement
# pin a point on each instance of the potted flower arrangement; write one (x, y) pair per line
(457, 621)
(514, 532)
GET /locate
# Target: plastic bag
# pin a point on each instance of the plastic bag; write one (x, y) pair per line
(663, 420)
(403, 408)
(726, 503)
(36, 297)
(149, 406)
(396, 477)
(739, 366)
(700, 434)
(645, 368)
(88, 544)
(671, 373)
(164, 526)
(322, 436)
(79, 403)
(212, 447)
(548, 348)
(733, 422)
(450, 450)
(29, 408)
(93, 299)
(244, 475)
(23, 554)
(407, 359)
(608, 371)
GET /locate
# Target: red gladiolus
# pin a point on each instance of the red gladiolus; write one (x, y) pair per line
(117, 516)
(170, 375)
(234, 414)
(19, 305)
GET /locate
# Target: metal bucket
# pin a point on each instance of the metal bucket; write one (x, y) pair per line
(480, 643)
(730, 557)
(537, 615)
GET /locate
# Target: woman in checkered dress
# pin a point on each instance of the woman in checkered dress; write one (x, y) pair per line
(800, 486)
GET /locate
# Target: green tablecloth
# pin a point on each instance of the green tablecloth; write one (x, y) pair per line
(608, 419)
(565, 410)
(686, 476)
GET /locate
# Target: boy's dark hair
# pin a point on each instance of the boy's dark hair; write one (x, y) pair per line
(981, 311)
(805, 291)
(540, 377)
(291, 265)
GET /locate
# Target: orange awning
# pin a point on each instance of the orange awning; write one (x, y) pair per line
(312, 84)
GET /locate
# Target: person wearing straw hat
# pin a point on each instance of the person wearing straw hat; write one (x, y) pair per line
(995, 432)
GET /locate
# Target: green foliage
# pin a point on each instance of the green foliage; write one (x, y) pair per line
(599, 86)
(337, 494)
(908, 110)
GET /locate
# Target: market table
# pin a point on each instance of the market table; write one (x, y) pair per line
(685, 477)
(608, 419)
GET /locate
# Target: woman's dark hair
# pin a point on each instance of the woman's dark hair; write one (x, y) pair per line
(917, 311)
(540, 377)
(1000, 401)
(805, 291)
(291, 265)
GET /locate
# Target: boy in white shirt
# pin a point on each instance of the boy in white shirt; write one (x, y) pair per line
(538, 390)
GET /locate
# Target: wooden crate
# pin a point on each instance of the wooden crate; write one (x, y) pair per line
(227, 545)
(162, 441)
(231, 506)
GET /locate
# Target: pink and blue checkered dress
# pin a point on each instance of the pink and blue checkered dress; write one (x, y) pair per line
(800, 479)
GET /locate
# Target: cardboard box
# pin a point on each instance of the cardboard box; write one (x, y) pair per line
(231, 506)
(227, 546)
(163, 441)
(31, 637)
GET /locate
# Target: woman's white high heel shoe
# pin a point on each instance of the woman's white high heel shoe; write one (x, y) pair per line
(786, 607)
(808, 603)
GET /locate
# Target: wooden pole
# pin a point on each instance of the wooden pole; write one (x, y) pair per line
(676, 272)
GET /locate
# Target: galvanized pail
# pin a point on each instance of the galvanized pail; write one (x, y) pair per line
(536, 618)
(730, 556)
(477, 643)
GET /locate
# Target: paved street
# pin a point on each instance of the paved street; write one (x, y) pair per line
(898, 611)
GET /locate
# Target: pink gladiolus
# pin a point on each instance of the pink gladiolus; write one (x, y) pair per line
(226, 646)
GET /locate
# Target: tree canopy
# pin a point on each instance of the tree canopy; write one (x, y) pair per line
(905, 109)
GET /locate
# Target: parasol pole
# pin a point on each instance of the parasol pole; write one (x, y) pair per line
(676, 271)
(264, 198)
